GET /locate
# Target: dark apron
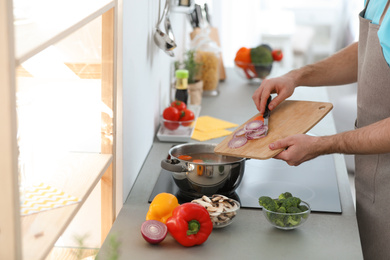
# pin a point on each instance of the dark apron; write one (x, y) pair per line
(372, 176)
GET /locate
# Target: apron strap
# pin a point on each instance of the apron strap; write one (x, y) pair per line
(384, 12)
(366, 4)
(362, 13)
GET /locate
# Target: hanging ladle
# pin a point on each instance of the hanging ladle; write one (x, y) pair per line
(168, 26)
(161, 39)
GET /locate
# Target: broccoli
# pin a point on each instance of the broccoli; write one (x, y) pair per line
(286, 203)
(268, 203)
(277, 219)
(291, 202)
(285, 195)
(279, 202)
(262, 59)
(264, 200)
(303, 208)
(293, 220)
(261, 55)
(296, 201)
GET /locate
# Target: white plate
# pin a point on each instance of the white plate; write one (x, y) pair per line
(182, 134)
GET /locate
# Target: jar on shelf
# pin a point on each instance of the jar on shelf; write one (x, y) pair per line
(207, 55)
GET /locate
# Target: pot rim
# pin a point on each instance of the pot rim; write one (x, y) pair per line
(239, 159)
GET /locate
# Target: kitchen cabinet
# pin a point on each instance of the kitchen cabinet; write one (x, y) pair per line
(26, 31)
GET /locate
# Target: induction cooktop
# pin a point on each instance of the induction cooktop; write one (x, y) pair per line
(314, 181)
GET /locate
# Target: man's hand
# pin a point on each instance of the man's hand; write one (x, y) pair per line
(284, 87)
(297, 148)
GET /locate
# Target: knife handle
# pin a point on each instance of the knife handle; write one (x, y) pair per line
(266, 111)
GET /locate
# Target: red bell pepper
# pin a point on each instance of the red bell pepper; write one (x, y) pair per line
(190, 224)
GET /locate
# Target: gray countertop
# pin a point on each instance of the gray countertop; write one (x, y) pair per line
(324, 235)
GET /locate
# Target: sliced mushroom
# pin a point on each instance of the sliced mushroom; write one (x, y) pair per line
(221, 208)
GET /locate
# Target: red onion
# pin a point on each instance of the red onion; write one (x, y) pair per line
(237, 142)
(255, 135)
(253, 125)
(154, 231)
(240, 132)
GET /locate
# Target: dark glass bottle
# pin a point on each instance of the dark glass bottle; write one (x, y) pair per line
(182, 85)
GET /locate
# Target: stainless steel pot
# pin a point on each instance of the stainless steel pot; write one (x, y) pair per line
(196, 179)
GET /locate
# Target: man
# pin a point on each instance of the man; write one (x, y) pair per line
(366, 62)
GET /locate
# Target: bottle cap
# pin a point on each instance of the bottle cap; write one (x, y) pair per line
(182, 74)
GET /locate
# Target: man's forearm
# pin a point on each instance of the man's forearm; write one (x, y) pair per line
(340, 68)
(371, 139)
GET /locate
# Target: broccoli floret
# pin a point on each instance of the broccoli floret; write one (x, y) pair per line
(261, 55)
(293, 210)
(287, 203)
(268, 203)
(293, 220)
(303, 208)
(281, 210)
(296, 201)
(291, 202)
(277, 219)
(285, 195)
(264, 200)
(279, 202)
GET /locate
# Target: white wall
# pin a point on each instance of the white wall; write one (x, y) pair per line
(146, 77)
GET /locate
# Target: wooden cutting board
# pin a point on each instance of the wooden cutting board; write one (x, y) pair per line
(289, 118)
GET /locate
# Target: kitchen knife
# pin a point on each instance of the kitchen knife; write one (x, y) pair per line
(266, 114)
(206, 10)
(199, 16)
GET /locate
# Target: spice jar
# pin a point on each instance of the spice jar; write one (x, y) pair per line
(182, 85)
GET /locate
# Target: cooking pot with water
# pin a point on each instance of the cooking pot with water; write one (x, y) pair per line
(206, 173)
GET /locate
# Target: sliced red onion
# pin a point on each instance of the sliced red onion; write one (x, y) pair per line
(257, 134)
(254, 135)
(237, 142)
(154, 231)
(253, 125)
(240, 132)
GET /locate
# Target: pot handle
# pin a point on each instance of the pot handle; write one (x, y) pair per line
(173, 165)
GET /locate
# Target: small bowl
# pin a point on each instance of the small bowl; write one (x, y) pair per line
(177, 127)
(221, 216)
(287, 221)
(253, 72)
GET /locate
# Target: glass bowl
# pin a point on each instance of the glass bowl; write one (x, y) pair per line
(222, 209)
(253, 72)
(177, 127)
(287, 221)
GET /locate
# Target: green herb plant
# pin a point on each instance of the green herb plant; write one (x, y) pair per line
(113, 248)
(189, 63)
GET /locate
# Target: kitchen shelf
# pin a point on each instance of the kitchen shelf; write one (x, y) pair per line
(23, 36)
(81, 173)
(34, 34)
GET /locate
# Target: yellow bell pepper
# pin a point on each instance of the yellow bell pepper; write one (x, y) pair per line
(162, 207)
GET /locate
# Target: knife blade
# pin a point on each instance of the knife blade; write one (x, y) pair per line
(267, 113)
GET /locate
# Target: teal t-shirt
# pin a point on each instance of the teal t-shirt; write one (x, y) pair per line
(374, 11)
